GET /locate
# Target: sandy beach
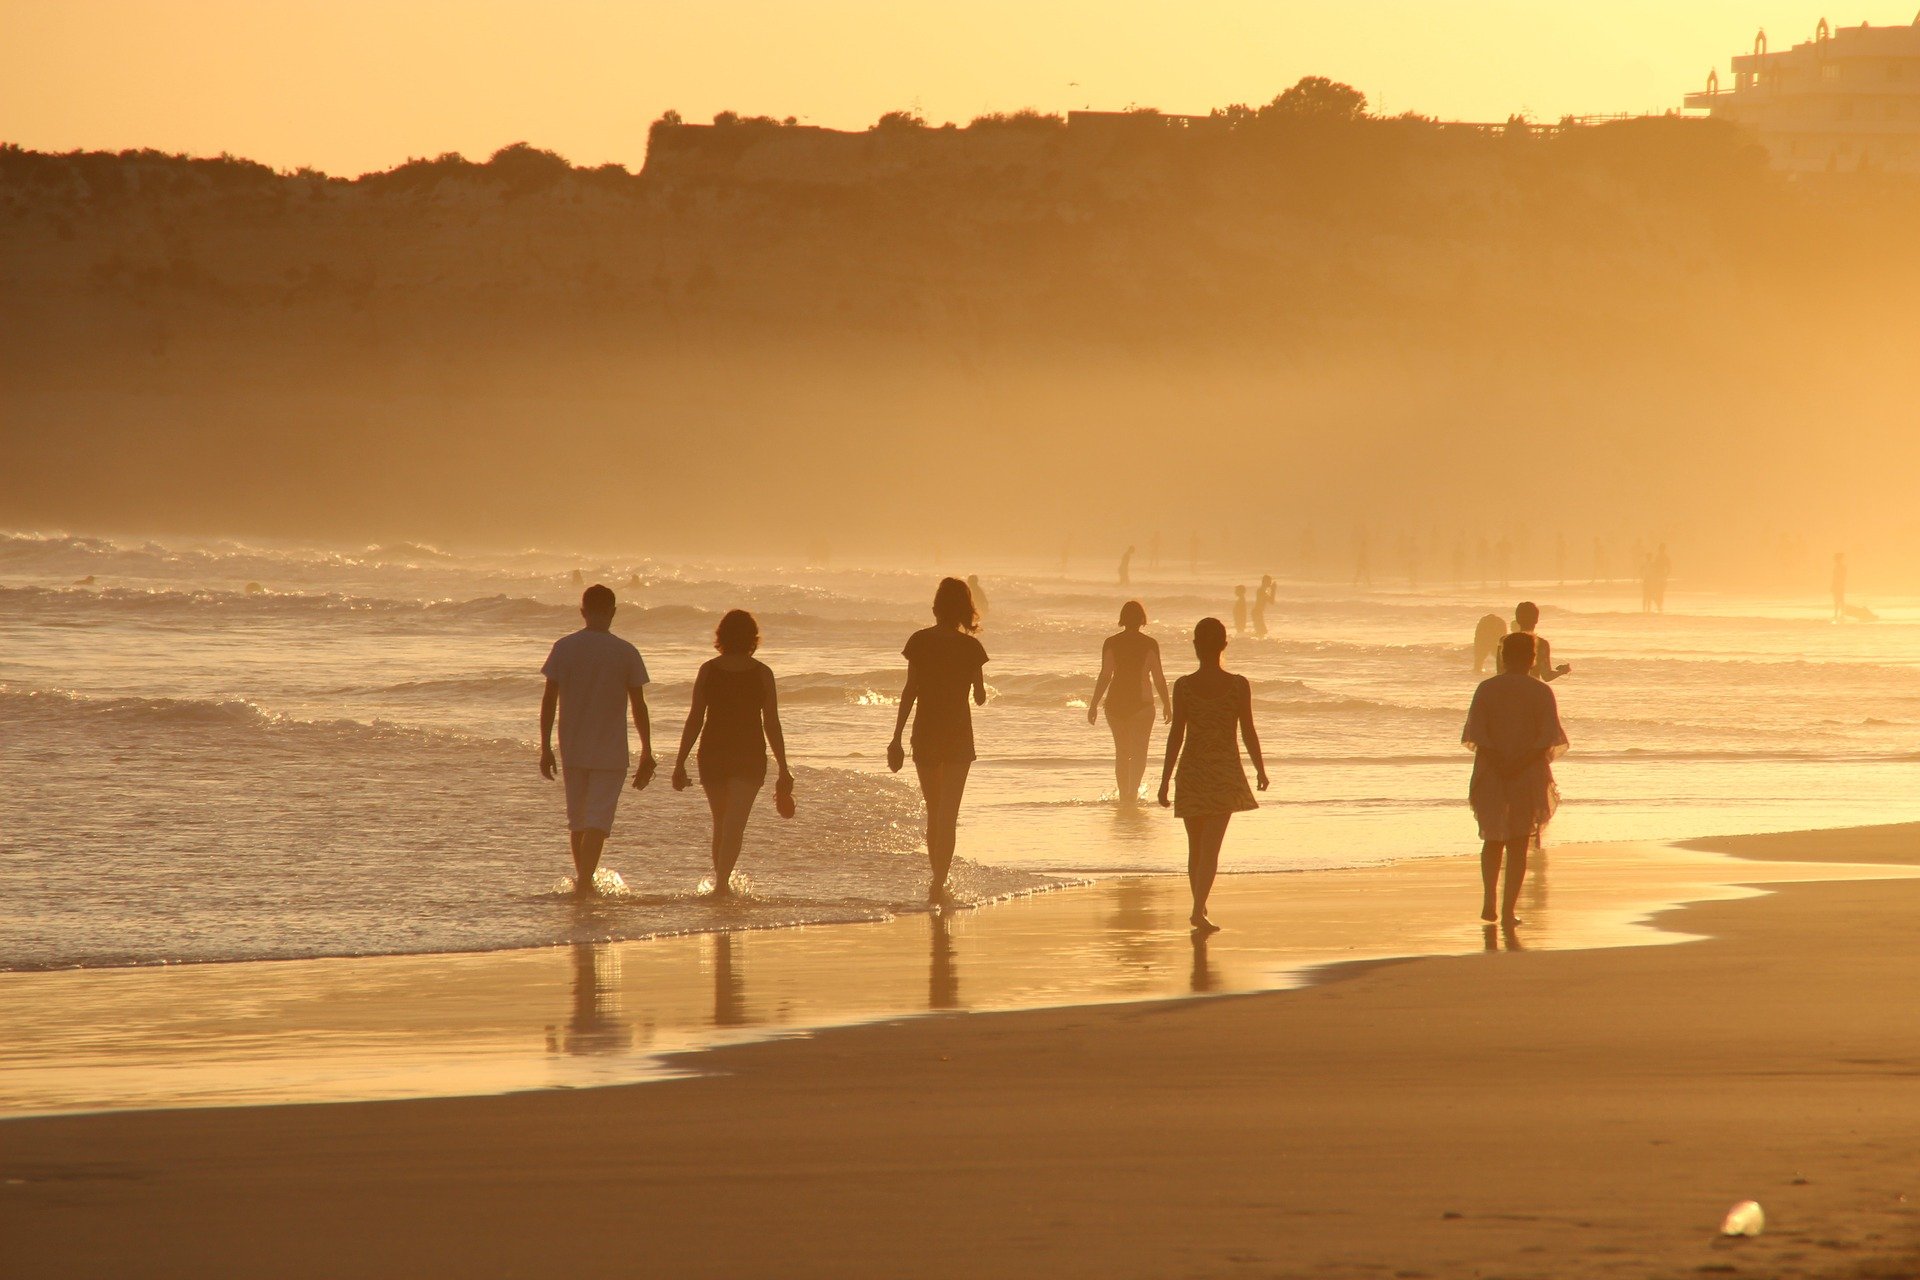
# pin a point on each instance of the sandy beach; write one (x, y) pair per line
(1532, 1113)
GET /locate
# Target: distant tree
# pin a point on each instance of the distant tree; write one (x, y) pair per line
(670, 116)
(1317, 98)
(524, 169)
(1027, 118)
(724, 119)
(898, 120)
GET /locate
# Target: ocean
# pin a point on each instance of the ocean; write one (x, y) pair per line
(222, 751)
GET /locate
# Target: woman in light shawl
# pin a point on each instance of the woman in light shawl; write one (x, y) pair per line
(1513, 729)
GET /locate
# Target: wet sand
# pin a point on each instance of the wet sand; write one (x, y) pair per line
(1549, 1113)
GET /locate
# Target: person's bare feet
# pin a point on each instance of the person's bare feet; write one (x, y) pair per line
(1487, 915)
(1201, 924)
(1509, 922)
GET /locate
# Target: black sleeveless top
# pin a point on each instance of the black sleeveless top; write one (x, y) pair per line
(733, 741)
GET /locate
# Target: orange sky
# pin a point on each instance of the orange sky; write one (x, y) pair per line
(351, 85)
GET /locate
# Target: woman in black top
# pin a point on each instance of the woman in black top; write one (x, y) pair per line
(944, 662)
(735, 716)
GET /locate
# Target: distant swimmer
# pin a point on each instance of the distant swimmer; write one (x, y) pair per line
(1514, 731)
(1261, 599)
(1526, 617)
(735, 717)
(578, 577)
(633, 582)
(1839, 585)
(1240, 610)
(1212, 715)
(1130, 675)
(1487, 635)
(979, 595)
(1126, 568)
(593, 677)
(944, 663)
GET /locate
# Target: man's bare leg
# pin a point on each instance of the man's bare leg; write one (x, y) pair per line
(586, 858)
(1516, 876)
(1489, 879)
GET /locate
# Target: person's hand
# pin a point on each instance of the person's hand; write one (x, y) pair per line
(979, 695)
(784, 780)
(1166, 715)
(1261, 777)
(896, 756)
(680, 779)
(547, 763)
(1165, 801)
(1093, 713)
(1563, 668)
(644, 774)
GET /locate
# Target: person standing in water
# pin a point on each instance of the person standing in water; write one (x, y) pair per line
(1526, 617)
(735, 717)
(1487, 634)
(593, 677)
(1513, 729)
(944, 663)
(1240, 610)
(1212, 713)
(979, 595)
(1126, 568)
(1130, 673)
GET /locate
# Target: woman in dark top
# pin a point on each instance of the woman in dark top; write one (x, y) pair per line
(944, 663)
(1514, 731)
(735, 716)
(1212, 716)
(1129, 675)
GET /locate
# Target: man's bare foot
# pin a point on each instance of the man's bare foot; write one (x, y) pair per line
(1201, 924)
(1508, 922)
(721, 889)
(1487, 915)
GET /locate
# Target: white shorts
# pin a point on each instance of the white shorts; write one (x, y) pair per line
(592, 796)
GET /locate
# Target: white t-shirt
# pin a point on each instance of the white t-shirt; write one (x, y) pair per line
(594, 670)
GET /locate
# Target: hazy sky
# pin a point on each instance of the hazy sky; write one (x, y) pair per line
(351, 85)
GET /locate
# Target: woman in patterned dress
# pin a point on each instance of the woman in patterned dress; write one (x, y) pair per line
(1212, 713)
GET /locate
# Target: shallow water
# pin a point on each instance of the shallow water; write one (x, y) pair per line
(342, 762)
(615, 1013)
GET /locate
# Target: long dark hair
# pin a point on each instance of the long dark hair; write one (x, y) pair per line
(953, 606)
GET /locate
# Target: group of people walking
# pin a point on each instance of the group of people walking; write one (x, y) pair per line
(595, 679)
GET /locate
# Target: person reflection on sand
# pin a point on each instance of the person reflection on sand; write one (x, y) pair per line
(596, 1025)
(1203, 979)
(729, 987)
(1513, 728)
(943, 974)
(1212, 713)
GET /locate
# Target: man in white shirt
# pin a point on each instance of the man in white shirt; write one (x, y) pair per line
(593, 676)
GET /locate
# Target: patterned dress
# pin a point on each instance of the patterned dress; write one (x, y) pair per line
(1210, 779)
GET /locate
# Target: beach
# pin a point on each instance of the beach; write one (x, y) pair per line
(1520, 1113)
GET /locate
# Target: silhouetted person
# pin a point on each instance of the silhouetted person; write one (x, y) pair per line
(1261, 599)
(979, 595)
(1126, 568)
(578, 577)
(1240, 610)
(735, 717)
(1130, 673)
(1513, 729)
(1526, 617)
(593, 676)
(944, 662)
(1212, 713)
(633, 581)
(1487, 635)
(1839, 585)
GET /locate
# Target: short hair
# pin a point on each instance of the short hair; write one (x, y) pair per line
(1209, 636)
(1517, 652)
(597, 599)
(953, 605)
(737, 632)
(1133, 614)
(1526, 613)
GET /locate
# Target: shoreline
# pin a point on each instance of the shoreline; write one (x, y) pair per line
(603, 1014)
(1579, 1113)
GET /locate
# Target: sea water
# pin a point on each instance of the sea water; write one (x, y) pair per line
(222, 751)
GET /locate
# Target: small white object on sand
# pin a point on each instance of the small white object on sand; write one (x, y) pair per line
(1745, 1219)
